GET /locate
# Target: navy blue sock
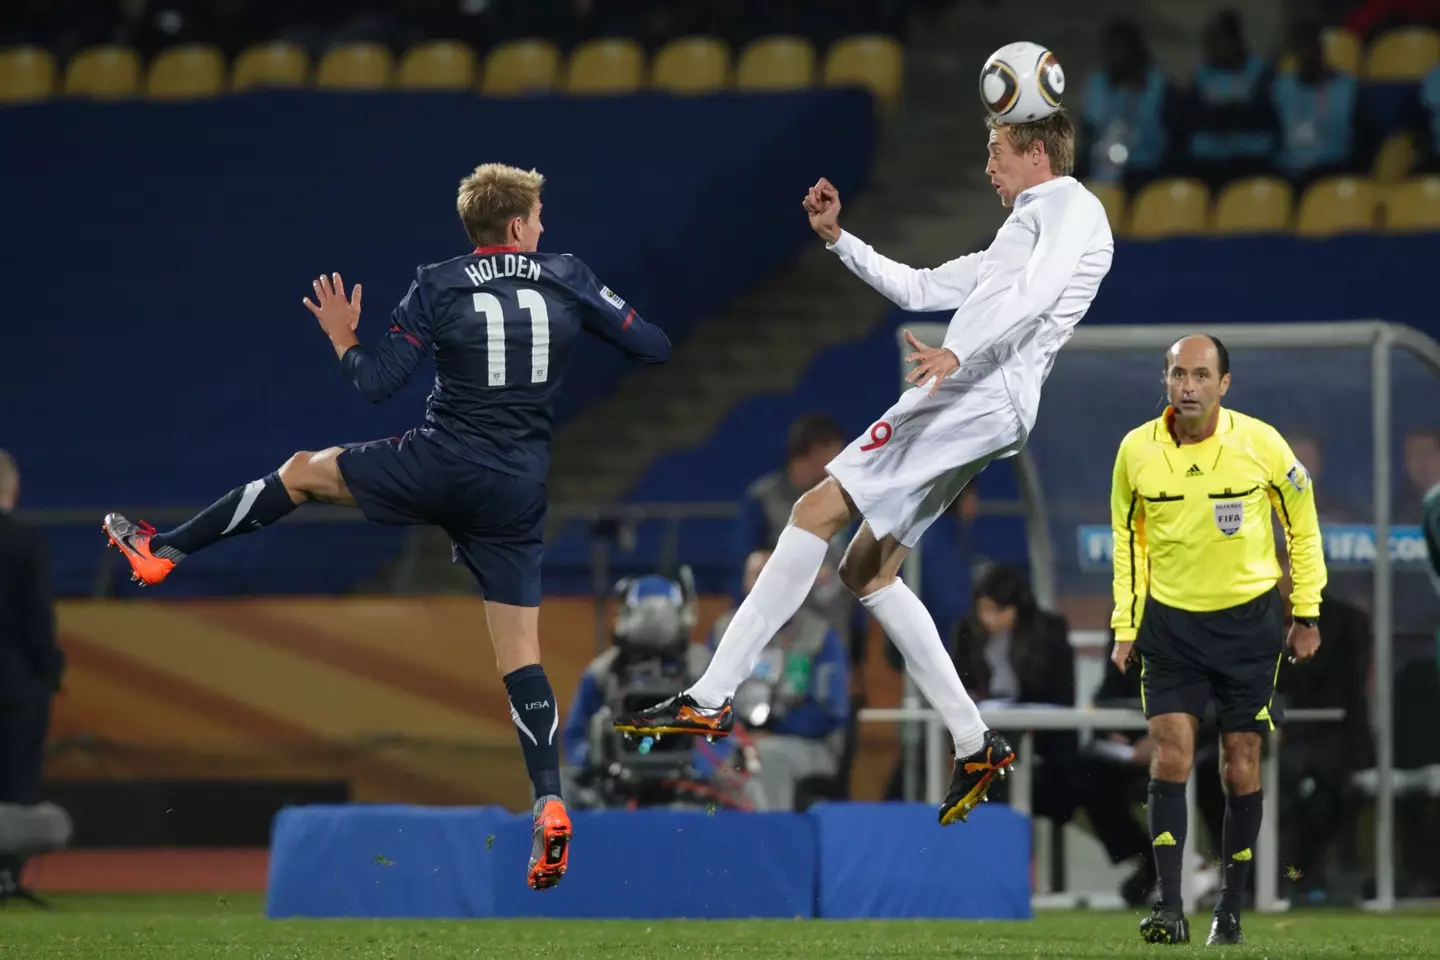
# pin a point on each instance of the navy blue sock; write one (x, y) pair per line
(1169, 818)
(537, 720)
(243, 510)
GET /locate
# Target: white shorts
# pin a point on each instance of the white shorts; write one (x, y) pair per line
(906, 470)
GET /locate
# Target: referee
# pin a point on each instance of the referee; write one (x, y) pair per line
(1196, 605)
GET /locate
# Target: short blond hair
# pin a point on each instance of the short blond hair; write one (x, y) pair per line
(494, 195)
(1056, 132)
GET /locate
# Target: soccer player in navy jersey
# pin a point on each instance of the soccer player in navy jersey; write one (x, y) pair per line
(502, 321)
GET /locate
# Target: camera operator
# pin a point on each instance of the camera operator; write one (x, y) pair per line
(795, 705)
(651, 658)
(30, 669)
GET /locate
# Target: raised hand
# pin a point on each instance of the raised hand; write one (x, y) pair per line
(822, 206)
(338, 317)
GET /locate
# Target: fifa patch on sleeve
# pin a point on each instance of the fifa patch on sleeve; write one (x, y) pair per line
(612, 298)
(1298, 477)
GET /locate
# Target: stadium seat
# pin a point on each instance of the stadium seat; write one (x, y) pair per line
(355, 66)
(1337, 205)
(521, 66)
(1169, 208)
(1413, 206)
(185, 72)
(26, 73)
(273, 65)
(606, 65)
(443, 65)
(874, 62)
(1404, 54)
(691, 65)
(104, 72)
(1394, 159)
(1253, 205)
(1113, 197)
(1342, 52)
(776, 63)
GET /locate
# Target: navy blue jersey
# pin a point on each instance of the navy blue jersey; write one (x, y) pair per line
(502, 325)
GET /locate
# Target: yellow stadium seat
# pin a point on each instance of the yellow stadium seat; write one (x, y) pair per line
(874, 62)
(26, 73)
(103, 72)
(355, 66)
(1404, 54)
(1413, 206)
(271, 65)
(1342, 52)
(691, 65)
(521, 66)
(1112, 196)
(185, 72)
(776, 63)
(444, 65)
(1394, 159)
(1337, 205)
(606, 65)
(1253, 205)
(1169, 208)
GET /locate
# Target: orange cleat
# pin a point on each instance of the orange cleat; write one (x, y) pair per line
(133, 542)
(679, 715)
(973, 777)
(551, 852)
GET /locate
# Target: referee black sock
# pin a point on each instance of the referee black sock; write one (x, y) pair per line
(243, 510)
(1242, 829)
(1169, 819)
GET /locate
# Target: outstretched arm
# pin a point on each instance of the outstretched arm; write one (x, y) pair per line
(939, 288)
(611, 319)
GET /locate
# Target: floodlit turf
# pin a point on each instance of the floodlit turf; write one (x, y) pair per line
(201, 927)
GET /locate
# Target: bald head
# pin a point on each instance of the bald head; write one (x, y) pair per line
(9, 482)
(1197, 375)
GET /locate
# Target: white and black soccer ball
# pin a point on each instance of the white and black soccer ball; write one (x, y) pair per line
(1022, 82)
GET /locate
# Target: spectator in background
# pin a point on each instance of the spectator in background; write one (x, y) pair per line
(1422, 472)
(1427, 132)
(814, 440)
(1126, 111)
(1329, 505)
(1009, 649)
(1315, 106)
(1231, 125)
(31, 664)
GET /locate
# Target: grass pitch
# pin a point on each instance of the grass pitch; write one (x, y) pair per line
(212, 926)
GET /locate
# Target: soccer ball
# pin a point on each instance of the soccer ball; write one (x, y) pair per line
(1022, 82)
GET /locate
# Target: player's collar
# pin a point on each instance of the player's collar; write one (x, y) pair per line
(497, 248)
(1040, 189)
(1222, 425)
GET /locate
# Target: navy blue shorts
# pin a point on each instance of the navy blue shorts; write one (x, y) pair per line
(495, 521)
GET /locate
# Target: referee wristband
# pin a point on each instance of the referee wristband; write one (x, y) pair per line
(1307, 621)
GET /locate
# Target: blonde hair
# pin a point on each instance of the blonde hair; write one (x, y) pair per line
(1056, 132)
(494, 195)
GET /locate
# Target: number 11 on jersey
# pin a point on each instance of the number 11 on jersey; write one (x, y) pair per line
(532, 303)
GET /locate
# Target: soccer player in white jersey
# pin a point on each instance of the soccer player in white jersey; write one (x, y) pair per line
(974, 399)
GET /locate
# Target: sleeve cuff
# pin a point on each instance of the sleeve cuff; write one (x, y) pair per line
(848, 245)
(1125, 636)
(1309, 611)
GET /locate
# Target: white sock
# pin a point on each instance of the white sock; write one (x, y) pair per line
(911, 628)
(779, 591)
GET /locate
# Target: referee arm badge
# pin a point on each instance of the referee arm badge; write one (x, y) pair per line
(1298, 476)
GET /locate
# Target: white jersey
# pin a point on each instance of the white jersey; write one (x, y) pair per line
(1017, 302)
(1015, 305)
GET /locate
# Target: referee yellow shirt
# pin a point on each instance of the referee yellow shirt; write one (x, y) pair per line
(1192, 523)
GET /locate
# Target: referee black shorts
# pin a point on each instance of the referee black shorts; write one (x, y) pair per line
(1231, 656)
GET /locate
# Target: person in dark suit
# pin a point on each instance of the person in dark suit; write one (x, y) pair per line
(31, 664)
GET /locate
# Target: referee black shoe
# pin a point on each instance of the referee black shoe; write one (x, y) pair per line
(970, 783)
(1225, 929)
(1166, 924)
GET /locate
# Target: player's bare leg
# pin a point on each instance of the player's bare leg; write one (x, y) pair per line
(515, 635)
(1173, 736)
(1244, 806)
(704, 709)
(871, 569)
(307, 476)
